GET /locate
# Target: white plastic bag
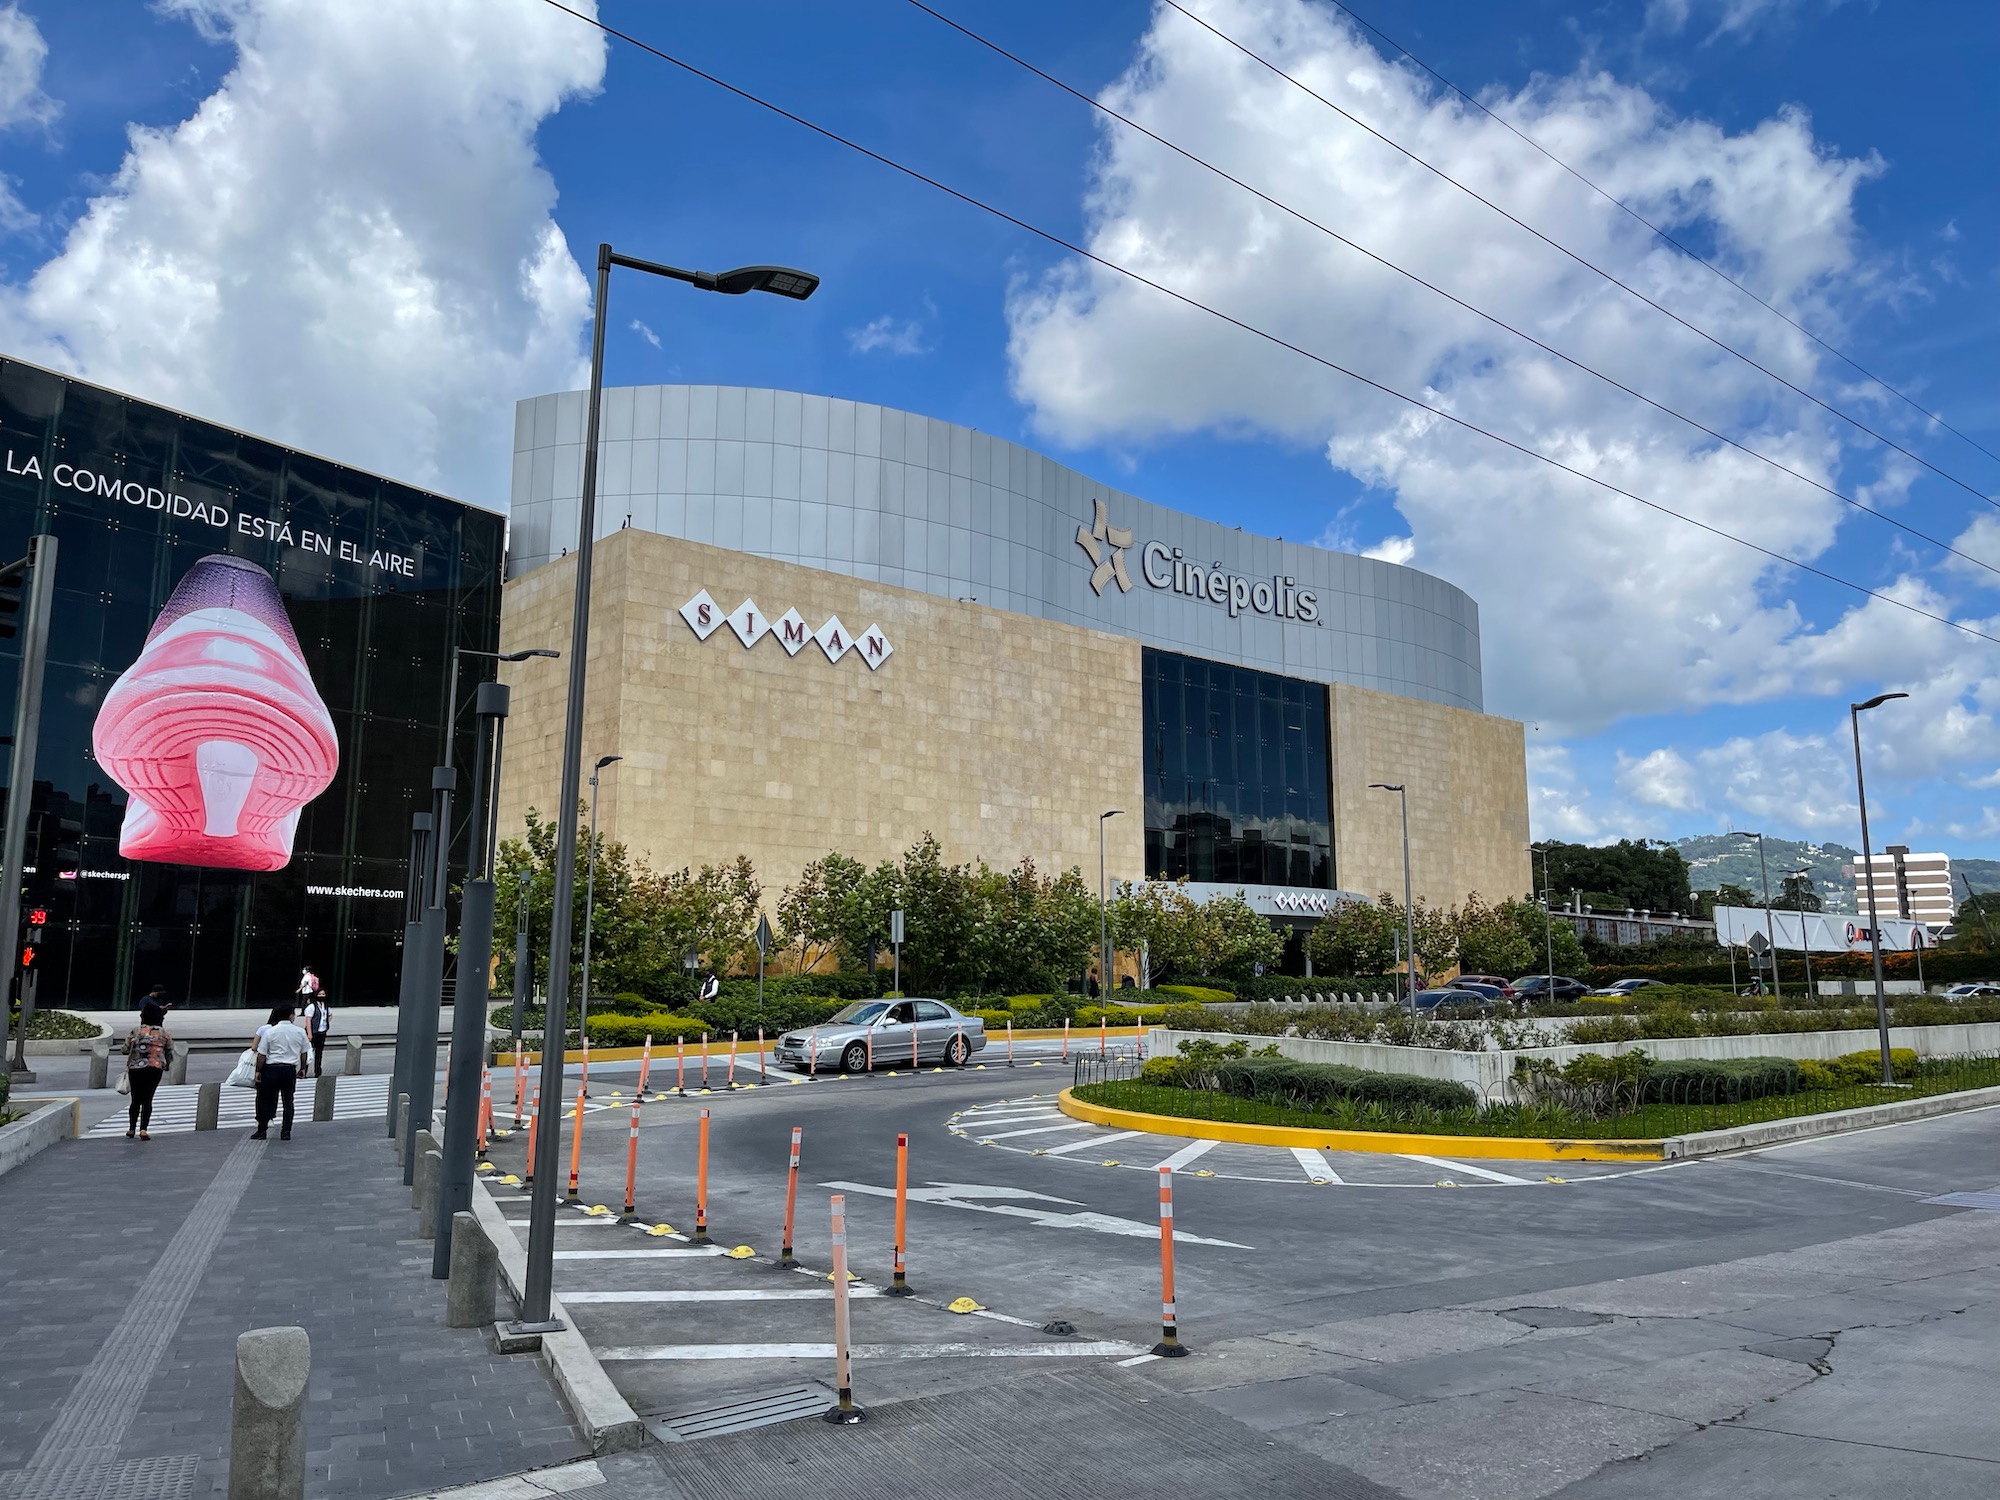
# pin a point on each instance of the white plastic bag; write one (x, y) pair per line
(244, 1074)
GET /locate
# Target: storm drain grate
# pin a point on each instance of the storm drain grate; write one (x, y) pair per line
(1967, 1200)
(740, 1413)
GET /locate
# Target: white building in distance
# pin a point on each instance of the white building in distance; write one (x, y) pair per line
(1917, 886)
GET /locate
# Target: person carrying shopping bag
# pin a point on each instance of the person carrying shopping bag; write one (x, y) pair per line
(317, 1017)
(281, 1048)
(149, 1052)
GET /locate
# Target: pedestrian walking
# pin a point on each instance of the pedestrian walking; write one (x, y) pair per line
(317, 1017)
(157, 995)
(710, 987)
(149, 1052)
(281, 1048)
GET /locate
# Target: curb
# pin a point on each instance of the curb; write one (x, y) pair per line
(1834, 1122)
(609, 1424)
(45, 1121)
(1504, 1148)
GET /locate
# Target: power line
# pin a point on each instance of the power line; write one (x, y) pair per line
(1403, 271)
(1562, 249)
(1184, 299)
(1692, 254)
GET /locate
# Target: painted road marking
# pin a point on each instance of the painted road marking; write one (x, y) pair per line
(1008, 1135)
(668, 1254)
(1088, 1141)
(1316, 1165)
(1009, 1116)
(576, 1223)
(1100, 1349)
(1193, 1151)
(1459, 1166)
(768, 1294)
(959, 1194)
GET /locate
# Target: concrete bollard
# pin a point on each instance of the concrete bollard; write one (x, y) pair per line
(100, 1064)
(353, 1066)
(208, 1105)
(177, 1070)
(429, 1165)
(322, 1098)
(267, 1425)
(473, 1292)
(402, 1125)
(425, 1143)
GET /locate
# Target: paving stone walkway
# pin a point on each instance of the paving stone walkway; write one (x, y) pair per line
(127, 1270)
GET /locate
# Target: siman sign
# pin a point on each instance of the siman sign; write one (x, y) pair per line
(750, 625)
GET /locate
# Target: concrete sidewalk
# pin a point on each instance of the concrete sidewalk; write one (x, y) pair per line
(129, 1269)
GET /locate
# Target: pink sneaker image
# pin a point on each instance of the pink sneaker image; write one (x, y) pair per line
(216, 731)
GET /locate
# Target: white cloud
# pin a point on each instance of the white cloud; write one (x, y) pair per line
(1660, 779)
(1557, 802)
(22, 55)
(1392, 549)
(888, 335)
(1100, 359)
(645, 333)
(349, 244)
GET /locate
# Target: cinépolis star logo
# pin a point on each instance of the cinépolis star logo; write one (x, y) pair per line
(1106, 546)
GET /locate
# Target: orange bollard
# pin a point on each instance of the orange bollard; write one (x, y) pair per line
(1103, 1033)
(785, 1256)
(732, 1059)
(763, 1076)
(913, 1046)
(1170, 1345)
(584, 1087)
(646, 1064)
(520, 1087)
(812, 1054)
(534, 1124)
(898, 1286)
(704, 1059)
(575, 1146)
(963, 1055)
(843, 1412)
(681, 1065)
(485, 1111)
(632, 1164)
(700, 1236)
(1065, 1051)
(1010, 1041)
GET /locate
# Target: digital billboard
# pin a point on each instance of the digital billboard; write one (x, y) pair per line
(243, 701)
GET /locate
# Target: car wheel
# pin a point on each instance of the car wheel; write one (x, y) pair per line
(957, 1051)
(855, 1058)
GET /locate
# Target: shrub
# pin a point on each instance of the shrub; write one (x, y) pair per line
(1189, 1015)
(632, 1031)
(1703, 1080)
(1602, 1029)
(59, 1026)
(1201, 994)
(1305, 1085)
(1028, 1002)
(1815, 1074)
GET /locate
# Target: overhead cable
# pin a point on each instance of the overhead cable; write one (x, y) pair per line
(1052, 238)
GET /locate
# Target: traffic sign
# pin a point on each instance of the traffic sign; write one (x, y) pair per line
(763, 936)
(1758, 944)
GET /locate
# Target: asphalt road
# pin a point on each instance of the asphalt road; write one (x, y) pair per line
(1803, 1313)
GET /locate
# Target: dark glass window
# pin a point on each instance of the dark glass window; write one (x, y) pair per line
(376, 641)
(1237, 772)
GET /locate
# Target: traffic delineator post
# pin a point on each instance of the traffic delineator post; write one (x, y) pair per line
(843, 1412)
(576, 1146)
(583, 1089)
(899, 1286)
(520, 1085)
(812, 1054)
(632, 1166)
(681, 1065)
(485, 1110)
(785, 1256)
(732, 1059)
(1010, 1042)
(1103, 1036)
(913, 1040)
(646, 1065)
(1170, 1345)
(963, 1056)
(1065, 1051)
(700, 1236)
(704, 1059)
(534, 1124)
(763, 1076)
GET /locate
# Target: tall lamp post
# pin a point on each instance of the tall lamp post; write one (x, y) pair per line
(590, 896)
(1805, 933)
(781, 282)
(1770, 932)
(1409, 909)
(1854, 713)
(1103, 912)
(1985, 926)
(1548, 901)
(522, 969)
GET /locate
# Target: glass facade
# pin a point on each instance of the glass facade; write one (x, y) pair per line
(1237, 775)
(378, 581)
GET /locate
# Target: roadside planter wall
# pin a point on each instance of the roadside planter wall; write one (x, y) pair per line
(1489, 1072)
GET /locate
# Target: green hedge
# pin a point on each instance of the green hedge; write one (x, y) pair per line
(1280, 1080)
(662, 1027)
(1701, 1080)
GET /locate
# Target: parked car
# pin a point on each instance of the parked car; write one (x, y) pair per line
(1494, 990)
(1477, 981)
(1626, 987)
(1452, 998)
(1978, 991)
(1535, 987)
(881, 1033)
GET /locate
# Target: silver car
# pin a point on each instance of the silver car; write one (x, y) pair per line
(882, 1034)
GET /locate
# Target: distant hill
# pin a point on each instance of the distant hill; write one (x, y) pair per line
(1715, 859)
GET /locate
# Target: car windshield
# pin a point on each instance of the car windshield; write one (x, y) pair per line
(860, 1012)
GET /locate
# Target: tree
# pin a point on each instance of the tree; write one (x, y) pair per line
(534, 854)
(710, 913)
(1163, 919)
(1798, 895)
(1492, 941)
(1435, 930)
(1030, 932)
(813, 913)
(1644, 874)
(1237, 940)
(1354, 940)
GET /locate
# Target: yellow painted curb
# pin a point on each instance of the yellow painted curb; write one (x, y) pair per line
(1505, 1148)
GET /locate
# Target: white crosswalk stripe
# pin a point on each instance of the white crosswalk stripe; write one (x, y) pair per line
(1315, 1164)
(1465, 1166)
(1089, 1141)
(1192, 1151)
(174, 1106)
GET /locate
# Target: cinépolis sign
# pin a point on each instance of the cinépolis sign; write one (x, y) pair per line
(146, 497)
(1167, 569)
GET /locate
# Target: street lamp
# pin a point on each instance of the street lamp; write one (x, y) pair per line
(451, 693)
(781, 282)
(590, 896)
(1770, 932)
(1103, 918)
(1854, 713)
(1409, 910)
(1548, 900)
(522, 969)
(1805, 932)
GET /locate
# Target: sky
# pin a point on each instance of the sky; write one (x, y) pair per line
(361, 227)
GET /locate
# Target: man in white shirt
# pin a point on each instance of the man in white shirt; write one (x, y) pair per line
(281, 1048)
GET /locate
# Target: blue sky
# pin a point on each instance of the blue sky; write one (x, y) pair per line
(357, 228)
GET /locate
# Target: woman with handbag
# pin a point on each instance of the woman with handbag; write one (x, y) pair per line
(149, 1051)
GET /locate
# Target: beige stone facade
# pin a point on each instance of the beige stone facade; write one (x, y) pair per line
(1002, 734)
